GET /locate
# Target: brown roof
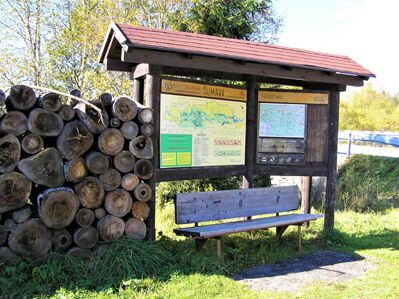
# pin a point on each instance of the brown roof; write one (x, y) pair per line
(191, 43)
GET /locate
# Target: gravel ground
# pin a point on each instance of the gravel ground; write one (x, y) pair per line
(292, 274)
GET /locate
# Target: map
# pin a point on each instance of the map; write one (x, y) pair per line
(281, 120)
(201, 132)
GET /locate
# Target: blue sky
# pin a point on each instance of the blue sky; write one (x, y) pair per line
(365, 30)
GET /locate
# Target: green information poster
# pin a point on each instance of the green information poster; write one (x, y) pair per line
(176, 150)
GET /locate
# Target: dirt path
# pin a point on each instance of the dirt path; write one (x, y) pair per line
(291, 274)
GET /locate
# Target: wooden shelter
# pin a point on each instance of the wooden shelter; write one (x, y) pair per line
(158, 58)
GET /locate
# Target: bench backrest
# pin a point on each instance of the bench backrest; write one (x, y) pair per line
(218, 205)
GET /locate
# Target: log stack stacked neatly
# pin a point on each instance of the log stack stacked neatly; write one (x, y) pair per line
(71, 176)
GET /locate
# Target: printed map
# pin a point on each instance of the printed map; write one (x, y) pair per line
(282, 120)
(201, 132)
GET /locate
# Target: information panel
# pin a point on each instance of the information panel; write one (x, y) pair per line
(197, 131)
(282, 120)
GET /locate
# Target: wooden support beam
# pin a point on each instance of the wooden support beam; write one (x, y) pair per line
(118, 65)
(199, 243)
(299, 238)
(152, 100)
(280, 230)
(332, 160)
(138, 90)
(219, 246)
(306, 194)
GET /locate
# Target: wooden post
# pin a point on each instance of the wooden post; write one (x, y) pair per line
(306, 193)
(219, 246)
(299, 238)
(152, 98)
(138, 90)
(332, 160)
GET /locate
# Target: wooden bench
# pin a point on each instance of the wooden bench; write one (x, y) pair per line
(221, 205)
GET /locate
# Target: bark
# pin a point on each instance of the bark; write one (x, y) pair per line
(14, 122)
(74, 140)
(15, 189)
(90, 192)
(118, 202)
(97, 162)
(44, 168)
(110, 228)
(45, 123)
(124, 108)
(86, 237)
(143, 192)
(140, 210)
(129, 182)
(75, 170)
(21, 97)
(111, 142)
(135, 229)
(124, 161)
(30, 239)
(57, 207)
(111, 179)
(32, 144)
(91, 118)
(143, 169)
(51, 102)
(21, 215)
(62, 239)
(129, 130)
(147, 130)
(10, 153)
(66, 112)
(141, 147)
(84, 217)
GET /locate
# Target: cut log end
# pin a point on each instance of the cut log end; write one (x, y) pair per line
(111, 179)
(135, 229)
(141, 147)
(15, 123)
(84, 217)
(10, 153)
(111, 142)
(99, 213)
(86, 237)
(129, 130)
(45, 123)
(15, 189)
(21, 97)
(143, 169)
(62, 239)
(105, 99)
(22, 215)
(115, 122)
(51, 102)
(75, 170)
(147, 130)
(118, 202)
(124, 108)
(143, 192)
(129, 181)
(111, 228)
(124, 161)
(90, 192)
(66, 112)
(140, 210)
(80, 253)
(146, 115)
(97, 162)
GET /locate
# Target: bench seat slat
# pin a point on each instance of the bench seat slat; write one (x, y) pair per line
(212, 230)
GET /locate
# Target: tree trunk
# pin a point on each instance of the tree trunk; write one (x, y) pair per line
(57, 207)
(111, 179)
(115, 122)
(143, 169)
(3, 234)
(66, 112)
(21, 97)
(45, 123)
(62, 239)
(105, 99)
(135, 229)
(124, 161)
(44, 168)
(90, 192)
(30, 239)
(97, 162)
(111, 228)
(111, 142)
(147, 130)
(129, 182)
(75, 140)
(15, 189)
(99, 213)
(80, 253)
(140, 210)
(75, 170)
(129, 130)
(124, 108)
(141, 147)
(32, 144)
(14, 122)
(84, 217)
(143, 192)
(51, 102)
(22, 215)
(10, 153)
(118, 202)
(86, 237)
(91, 118)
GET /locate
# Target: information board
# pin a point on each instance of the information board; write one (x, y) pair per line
(198, 131)
(282, 120)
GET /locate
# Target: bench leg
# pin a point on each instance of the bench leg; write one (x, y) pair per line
(219, 246)
(199, 243)
(299, 238)
(280, 230)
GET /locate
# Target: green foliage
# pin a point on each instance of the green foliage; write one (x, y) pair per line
(368, 183)
(371, 110)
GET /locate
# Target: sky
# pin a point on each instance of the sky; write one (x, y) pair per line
(365, 30)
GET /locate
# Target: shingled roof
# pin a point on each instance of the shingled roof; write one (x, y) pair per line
(137, 37)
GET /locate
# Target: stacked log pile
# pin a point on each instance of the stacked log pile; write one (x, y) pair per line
(72, 174)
